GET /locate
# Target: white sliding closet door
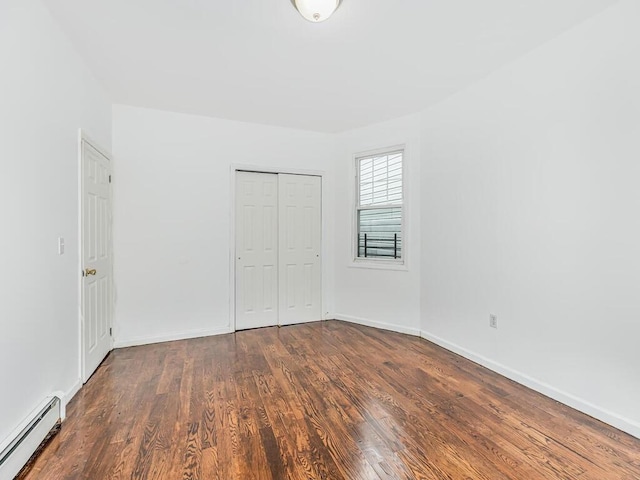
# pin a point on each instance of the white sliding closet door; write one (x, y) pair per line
(278, 233)
(299, 204)
(256, 250)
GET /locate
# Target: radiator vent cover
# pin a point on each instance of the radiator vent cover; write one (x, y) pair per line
(18, 452)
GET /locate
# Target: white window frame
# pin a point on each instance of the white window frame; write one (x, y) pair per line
(372, 262)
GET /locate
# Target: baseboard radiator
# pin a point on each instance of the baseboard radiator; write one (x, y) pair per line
(18, 453)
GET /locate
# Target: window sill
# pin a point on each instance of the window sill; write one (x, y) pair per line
(378, 265)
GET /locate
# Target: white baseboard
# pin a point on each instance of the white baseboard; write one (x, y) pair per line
(381, 325)
(170, 337)
(66, 397)
(626, 425)
(299, 322)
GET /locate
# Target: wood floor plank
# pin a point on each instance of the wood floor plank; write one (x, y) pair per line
(327, 400)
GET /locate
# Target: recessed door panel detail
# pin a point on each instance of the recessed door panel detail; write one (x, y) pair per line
(270, 228)
(290, 227)
(103, 295)
(91, 293)
(290, 293)
(308, 218)
(270, 289)
(91, 240)
(249, 225)
(249, 273)
(103, 220)
(308, 284)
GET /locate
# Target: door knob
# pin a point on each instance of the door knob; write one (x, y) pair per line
(89, 271)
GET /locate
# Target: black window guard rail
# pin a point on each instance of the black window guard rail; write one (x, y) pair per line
(371, 246)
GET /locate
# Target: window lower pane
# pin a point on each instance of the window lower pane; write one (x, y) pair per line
(380, 233)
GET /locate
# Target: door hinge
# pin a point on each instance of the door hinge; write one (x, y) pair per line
(109, 178)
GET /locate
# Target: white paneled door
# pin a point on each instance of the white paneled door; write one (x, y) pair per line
(96, 258)
(256, 250)
(278, 232)
(299, 203)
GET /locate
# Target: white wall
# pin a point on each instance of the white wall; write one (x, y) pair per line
(381, 298)
(172, 215)
(530, 210)
(521, 200)
(46, 94)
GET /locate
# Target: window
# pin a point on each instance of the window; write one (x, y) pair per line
(379, 207)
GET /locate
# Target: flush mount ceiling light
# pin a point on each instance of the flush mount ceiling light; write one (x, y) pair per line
(316, 10)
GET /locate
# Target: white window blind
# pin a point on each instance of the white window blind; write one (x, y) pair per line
(380, 206)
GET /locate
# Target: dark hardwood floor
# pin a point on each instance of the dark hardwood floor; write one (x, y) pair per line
(327, 400)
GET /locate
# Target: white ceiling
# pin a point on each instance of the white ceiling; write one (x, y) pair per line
(260, 61)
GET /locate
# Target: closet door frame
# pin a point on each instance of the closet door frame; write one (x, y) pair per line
(232, 231)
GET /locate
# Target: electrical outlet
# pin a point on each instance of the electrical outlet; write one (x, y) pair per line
(493, 320)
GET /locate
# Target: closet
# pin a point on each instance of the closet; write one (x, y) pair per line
(278, 278)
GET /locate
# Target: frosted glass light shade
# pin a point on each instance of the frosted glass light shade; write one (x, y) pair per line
(316, 10)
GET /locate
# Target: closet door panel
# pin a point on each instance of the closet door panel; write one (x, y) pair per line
(256, 250)
(300, 231)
